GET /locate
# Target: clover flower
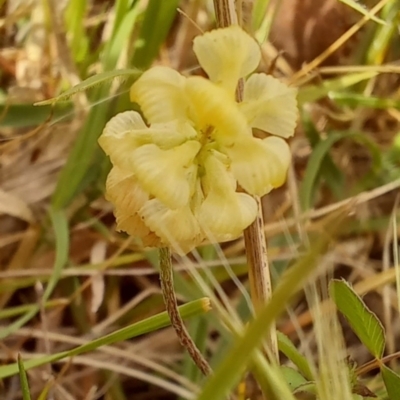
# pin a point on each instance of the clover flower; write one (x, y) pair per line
(187, 174)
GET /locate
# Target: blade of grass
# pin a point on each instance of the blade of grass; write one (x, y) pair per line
(359, 100)
(333, 177)
(33, 116)
(319, 153)
(81, 158)
(311, 93)
(151, 324)
(291, 352)
(23, 379)
(90, 82)
(156, 25)
(74, 15)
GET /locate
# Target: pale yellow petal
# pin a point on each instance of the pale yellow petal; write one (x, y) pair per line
(159, 93)
(279, 157)
(169, 175)
(224, 213)
(212, 107)
(270, 105)
(124, 122)
(177, 228)
(227, 54)
(259, 165)
(126, 131)
(123, 190)
(134, 226)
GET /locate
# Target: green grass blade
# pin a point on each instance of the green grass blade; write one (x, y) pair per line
(60, 225)
(74, 15)
(24, 308)
(151, 324)
(291, 352)
(156, 25)
(384, 35)
(229, 371)
(90, 82)
(23, 379)
(33, 116)
(312, 93)
(362, 320)
(359, 100)
(318, 156)
(331, 174)
(82, 154)
(392, 382)
(81, 161)
(259, 10)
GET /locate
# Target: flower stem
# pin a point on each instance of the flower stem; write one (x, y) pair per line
(254, 237)
(171, 304)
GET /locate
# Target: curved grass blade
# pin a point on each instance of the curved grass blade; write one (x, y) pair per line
(359, 100)
(33, 116)
(310, 93)
(147, 325)
(23, 379)
(384, 35)
(362, 320)
(89, 83)
(331, 174)
(318, 156)
(291, 352)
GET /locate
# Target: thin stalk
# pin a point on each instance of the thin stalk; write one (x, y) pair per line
(254, 237)
(171, 304)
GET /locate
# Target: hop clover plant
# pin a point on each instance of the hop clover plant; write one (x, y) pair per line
(187, 173)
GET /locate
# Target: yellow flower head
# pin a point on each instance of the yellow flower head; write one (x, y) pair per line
(175, 178)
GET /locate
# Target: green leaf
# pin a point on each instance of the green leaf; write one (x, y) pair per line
(89, 83)
(147, 325)
(392, 382)
(291, 352)
(293, 377)
(23, 379)
(362, 320)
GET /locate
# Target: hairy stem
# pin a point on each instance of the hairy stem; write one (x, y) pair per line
(171, 304)
(254, 237)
